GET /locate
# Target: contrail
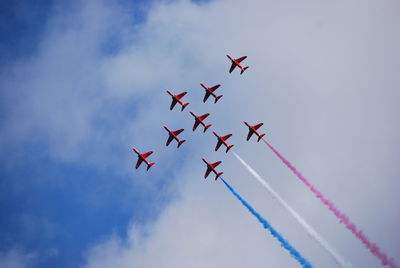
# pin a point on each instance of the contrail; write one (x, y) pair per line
(311, 232)
(373, 248)
(295, 254)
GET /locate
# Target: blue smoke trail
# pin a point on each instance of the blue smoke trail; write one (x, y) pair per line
(295, 254)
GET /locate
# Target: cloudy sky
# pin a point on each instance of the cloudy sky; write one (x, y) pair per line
(82, 82)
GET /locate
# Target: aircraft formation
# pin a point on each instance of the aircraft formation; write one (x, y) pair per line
(200, 120)
(254, 130)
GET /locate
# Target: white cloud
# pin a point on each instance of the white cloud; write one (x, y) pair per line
(16, 259)
(316, 73)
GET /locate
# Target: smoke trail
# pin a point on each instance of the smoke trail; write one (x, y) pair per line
(295, 254)
(373, 248)
(311, 232)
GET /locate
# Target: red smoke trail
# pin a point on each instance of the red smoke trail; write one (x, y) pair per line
(385, 260)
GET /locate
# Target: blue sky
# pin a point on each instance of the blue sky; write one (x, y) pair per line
(22, 25)
(82, 82)
(56, 209)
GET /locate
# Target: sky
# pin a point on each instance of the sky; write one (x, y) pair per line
(82, 82)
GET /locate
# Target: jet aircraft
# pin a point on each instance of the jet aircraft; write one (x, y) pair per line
(200, 120)
(210, 91)
(177, 98)
(253, 129)
(211, 167)
(222, 140)
(173, 135)
(236, 63)
(143, 157)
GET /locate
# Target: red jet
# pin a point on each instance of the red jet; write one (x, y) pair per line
(222, 140)
(210, 91)
(211, 167)
(253, 129)
(177, 98)
(173, 135)
(236, 62)
(200, 120)
(142, 157)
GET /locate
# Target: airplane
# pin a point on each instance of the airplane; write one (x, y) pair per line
(142, 157)
(173, 135)
(210, 91)
(211, 167)
(253, 129)
(177, 98)
(236, 62)
(199, 120)
(222, 140)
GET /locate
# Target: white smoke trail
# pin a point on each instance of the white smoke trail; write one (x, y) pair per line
(311, 232)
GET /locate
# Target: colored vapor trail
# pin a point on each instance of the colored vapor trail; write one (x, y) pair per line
(373, 248)
(311, 232)
(295, 254)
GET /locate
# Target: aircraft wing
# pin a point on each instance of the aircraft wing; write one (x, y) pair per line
(219, 143)
(214, 165)
(139, 161)
(177, 132)
(241, 59)
(214, 88)
(232, 67)
(206, 96)
(145, 155)
(174, 101)
(179, 96)
(170, 138)
(207, 172)
(196, 124)
(250, 134)
(258, 126)
(226, 137)
(204, 116)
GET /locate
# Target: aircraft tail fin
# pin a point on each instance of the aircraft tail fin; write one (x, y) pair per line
(217, 98)
(184, 106)
(180, 142)
(150, 165)
(219, 175)
(244, 69)
(229, 147)
(206, 127)
(260, 137)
